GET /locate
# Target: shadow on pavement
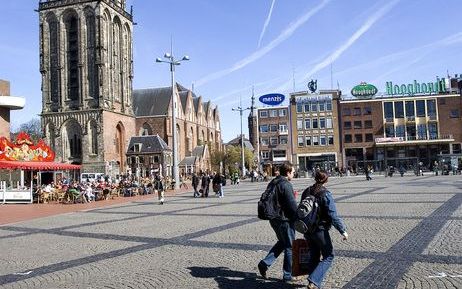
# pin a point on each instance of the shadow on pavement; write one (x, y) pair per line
(229, 279)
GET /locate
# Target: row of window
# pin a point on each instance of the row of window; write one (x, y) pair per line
(347, 111)
(274, 140)
(357, 124)
(282, 127)
(276, 154)
(315, 140)
(412, 131)
(273, 113)
(409, 108)
(314, 106)
(368, 137)
(314, 123)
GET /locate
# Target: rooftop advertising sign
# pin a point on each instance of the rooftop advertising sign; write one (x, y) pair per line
(439, 86)
(272, 99)
(364, 90)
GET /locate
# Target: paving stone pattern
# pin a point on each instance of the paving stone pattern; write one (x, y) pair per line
(404, 233)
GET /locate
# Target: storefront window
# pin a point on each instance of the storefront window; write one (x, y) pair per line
(411, 133)
(389, 130)
(399, 109)
(400, 130)
(410, 113)
(420, 107)
(431, 108)
(433, 131)
(422, 131)
(388, 110)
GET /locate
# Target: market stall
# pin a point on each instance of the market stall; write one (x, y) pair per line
(28, 158)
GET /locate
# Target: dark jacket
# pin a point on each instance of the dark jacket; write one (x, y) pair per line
(328, 210)
(286, 199)
(205, 181)
(195, 180)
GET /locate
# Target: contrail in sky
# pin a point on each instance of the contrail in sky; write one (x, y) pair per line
(263, 51)
(266, 23)
(363, 29)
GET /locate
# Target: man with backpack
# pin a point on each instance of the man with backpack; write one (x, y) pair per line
(278, 205)
(317, 232)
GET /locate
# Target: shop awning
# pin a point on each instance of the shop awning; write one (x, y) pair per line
(38, 166)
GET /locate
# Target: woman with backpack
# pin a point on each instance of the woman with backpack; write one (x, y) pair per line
(319, 239)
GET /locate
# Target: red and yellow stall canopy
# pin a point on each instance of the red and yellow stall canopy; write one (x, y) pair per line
(24, 154)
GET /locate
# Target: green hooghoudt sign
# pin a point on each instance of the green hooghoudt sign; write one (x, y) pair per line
(439, 86)
(364, 90)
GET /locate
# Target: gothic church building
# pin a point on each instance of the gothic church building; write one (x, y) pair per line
(88, 108)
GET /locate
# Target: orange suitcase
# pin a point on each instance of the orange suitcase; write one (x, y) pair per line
(300, 257)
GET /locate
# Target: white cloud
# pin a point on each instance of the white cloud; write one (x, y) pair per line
(263, 51)
(353, 38)
(265, 25)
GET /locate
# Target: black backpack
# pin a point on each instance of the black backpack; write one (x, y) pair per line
(308, 215)
(268, 206)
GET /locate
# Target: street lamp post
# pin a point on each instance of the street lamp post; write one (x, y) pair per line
(241, 110)
(170, 59)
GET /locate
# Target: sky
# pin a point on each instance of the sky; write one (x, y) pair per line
(265, 46)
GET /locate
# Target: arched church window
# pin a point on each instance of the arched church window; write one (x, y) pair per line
(92, 72)
(72, 30)
(146, 129)
(54, 61)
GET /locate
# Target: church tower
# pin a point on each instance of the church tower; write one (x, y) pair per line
(86, 63)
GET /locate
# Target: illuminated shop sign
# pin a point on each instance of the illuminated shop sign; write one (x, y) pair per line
(439, 86)
(364, 90)
(272, 99)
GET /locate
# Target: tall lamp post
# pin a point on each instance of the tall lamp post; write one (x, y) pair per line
(170, 59)
(241, 110)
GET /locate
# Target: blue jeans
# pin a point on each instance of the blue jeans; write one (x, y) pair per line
(320, 244)
(286, 235)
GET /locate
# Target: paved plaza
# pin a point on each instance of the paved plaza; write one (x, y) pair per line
(405, 232)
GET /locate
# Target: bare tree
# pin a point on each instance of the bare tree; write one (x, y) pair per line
(33, 128)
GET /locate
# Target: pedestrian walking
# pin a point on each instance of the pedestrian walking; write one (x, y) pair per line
(368, 173)
(159, 188)
(319, 239)
(205, 182)
(195, 184)
(217, 184)
(283, 225)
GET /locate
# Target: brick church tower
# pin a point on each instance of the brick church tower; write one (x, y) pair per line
(86, 62)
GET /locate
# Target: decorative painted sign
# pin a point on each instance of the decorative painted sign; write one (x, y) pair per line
(364, 90)
(272, 99)
(439, 86)
(24, 150)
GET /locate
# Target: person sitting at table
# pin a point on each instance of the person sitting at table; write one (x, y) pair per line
(89, 193)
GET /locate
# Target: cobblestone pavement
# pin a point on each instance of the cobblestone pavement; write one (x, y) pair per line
(404, 233)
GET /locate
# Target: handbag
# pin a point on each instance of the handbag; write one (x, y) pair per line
(300, 257)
